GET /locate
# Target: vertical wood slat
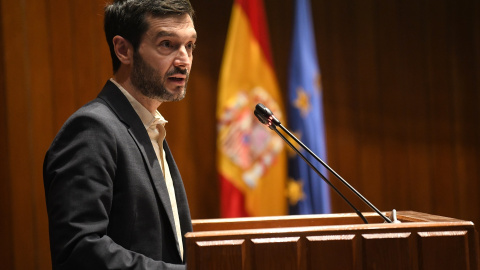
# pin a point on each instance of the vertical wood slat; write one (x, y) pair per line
(473, 190)
(101, 58)
(61, 47)
(444, 250)
(268, 251)
(441, 109)
(225, 254)
(40, 121)
(415, 110)
(345, 109)
(17, 82)
(368, 96)
(321, 249)
(467, 111)
(6, 252)
(84, 62)
(389, 251)
(390, 64)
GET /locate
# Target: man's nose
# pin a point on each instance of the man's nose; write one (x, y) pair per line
(183, 58)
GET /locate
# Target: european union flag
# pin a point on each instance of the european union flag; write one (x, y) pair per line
(308, 193)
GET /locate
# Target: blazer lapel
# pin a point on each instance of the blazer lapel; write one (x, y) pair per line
(125, 112)
(180, 194)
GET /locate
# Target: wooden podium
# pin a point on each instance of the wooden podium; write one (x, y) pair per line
(334, 241)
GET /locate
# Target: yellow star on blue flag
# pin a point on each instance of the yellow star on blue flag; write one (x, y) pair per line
(306, 117)
(295, 191)
(302, 102)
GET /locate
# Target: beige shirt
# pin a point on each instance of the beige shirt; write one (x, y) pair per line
(155, 126)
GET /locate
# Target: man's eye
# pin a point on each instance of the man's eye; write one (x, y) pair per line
(166, 44)
(191, 46)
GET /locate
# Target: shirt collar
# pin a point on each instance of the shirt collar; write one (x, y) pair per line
(147, 118)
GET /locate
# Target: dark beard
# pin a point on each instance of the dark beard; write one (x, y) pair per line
(148, 81)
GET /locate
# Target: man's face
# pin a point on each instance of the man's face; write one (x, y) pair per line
(162, 63)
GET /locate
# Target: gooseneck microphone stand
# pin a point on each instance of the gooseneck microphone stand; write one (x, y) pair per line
(266, 117)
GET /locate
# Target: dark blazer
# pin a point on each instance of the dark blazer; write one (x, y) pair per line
(107, 201)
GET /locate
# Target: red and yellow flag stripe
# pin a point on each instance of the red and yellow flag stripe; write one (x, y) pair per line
(251, 158)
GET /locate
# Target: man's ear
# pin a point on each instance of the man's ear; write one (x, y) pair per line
(123, 49)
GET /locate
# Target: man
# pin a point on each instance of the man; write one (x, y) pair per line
(115, 198)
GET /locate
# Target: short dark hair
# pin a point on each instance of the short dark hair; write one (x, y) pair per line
(127, 18)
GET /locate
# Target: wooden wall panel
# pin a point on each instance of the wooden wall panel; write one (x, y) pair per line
(19, 133)
(61, 44)
(266, 251)
(40, 132)
(465, 97)
(405, 109)
(401, 85)
(231, 252)
(6, 252)
(368, 100)
(450, 249)
(321, 249)
(441, 105)
(389, 251)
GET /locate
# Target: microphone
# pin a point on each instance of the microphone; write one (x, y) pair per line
(261, 118)
(266, 117)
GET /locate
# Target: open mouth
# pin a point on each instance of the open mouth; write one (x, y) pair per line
(176, 79)
(178, 76)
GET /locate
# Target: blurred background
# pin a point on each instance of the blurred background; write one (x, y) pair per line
(401, 89)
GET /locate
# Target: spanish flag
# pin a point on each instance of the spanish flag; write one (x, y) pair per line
(251, 159)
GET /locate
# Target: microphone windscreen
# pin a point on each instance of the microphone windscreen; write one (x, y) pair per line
(264, 111)
(260, 117)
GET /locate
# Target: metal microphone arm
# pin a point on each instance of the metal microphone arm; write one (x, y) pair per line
(336, 174)
(320, 174)
(266, 117)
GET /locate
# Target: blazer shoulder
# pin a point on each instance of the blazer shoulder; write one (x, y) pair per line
(95, 110)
